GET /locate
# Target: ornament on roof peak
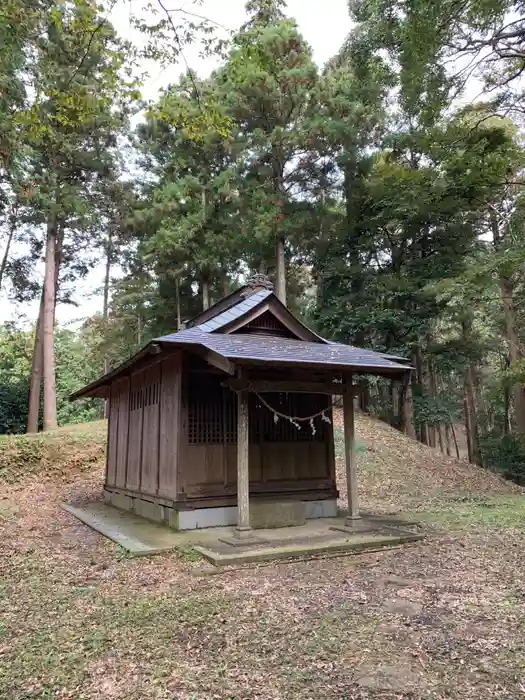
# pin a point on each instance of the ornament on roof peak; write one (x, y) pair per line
(256, 283)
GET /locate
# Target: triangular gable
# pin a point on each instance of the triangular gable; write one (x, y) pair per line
(267, 324)
(275, 313)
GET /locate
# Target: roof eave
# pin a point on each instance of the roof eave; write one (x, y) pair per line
(100, 387)
(398, 371)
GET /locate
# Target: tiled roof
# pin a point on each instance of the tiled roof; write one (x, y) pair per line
(234, 312)
(244, 348)
(269, 349)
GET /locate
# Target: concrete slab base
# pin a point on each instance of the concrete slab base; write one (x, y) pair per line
(142, 537)
(392, 520)
(136, 535)
(357, 526)
(242, 541)
(309, 548)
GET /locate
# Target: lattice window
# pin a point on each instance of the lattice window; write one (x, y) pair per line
(212, 412)
(212, 415)
(145, 396)
(263, 427)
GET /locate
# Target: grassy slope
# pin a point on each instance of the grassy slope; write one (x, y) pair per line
(63, 453)
(442, 618)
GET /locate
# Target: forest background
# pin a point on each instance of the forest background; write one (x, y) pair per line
(381, 191)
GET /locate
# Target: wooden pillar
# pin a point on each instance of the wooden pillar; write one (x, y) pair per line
(243, 528)
(351, 467)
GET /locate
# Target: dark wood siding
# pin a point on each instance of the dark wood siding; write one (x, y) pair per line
(149, 478)
(170, 425)
(282, 457)
(122, 389)
(172, 434)
(136, 413)
(143, 431)
(112, 447)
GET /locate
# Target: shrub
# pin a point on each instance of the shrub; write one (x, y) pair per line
(506, 455)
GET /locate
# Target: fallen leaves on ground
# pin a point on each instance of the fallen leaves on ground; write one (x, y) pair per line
(442, 618)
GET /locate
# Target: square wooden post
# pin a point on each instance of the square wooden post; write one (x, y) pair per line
(243, 528)
(351, 467)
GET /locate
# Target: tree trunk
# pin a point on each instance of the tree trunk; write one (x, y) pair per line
(177, 302)
(105, 305)
(436, 428)
(453, 429)
(440, 438)
(384, 403)
(5, 257)
(107, 277)
(364, 394)
(447, 439)
(205, 291)
(395, 415)
(50, 399)
(36, 373)
(468, 423)
(205, 280)
(281, 271)
(37, 362)
(516, 350)
(471, 420)
(406, 407)
(481, 405)
(418, 363)
(506, 404)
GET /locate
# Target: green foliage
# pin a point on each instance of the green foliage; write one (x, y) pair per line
(269, 86)
(15, 366)
(75, 367)
(402, 225)
(505, 454)
(76, 364)
(13, 405)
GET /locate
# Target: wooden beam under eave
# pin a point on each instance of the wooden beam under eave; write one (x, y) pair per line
(292, 387)
(216, 360)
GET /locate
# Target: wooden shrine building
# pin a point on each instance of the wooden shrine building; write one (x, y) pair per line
(232, 412)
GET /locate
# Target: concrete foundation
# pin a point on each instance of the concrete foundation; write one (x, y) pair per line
(321, 536)
(263, 514)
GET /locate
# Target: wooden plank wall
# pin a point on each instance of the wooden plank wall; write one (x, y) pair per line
(122, 388)
(169, 426)
(150, 431)
(210, 469)
(143, 430)
(284, 462)
(135, 432)
(112, 446)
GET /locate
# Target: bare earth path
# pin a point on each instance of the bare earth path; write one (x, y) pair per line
(443, 618)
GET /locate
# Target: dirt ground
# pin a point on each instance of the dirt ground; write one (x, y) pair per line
(443, 618)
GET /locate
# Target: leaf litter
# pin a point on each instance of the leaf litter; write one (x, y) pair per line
(442, 618)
